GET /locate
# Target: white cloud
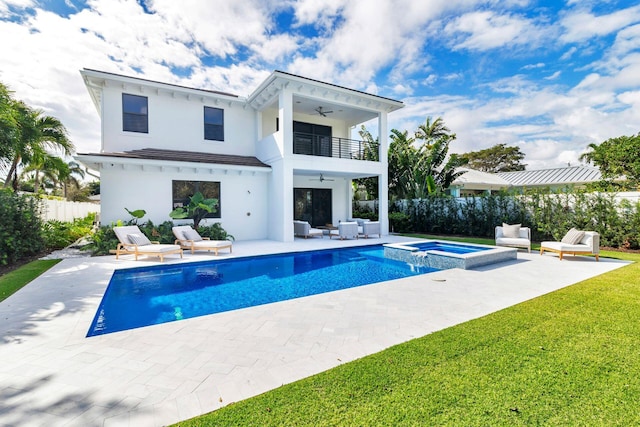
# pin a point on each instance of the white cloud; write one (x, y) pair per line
(569, 53)
(533, 66)
(554, 76)
(5, 5)
(581, 25)
(487, 30)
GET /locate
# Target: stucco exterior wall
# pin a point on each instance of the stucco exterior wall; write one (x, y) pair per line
(243, 198)
(177, 123)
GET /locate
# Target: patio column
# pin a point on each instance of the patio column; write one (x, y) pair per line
(383, 178)
(281, 207)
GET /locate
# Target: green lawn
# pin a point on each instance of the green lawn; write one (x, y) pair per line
(567, 358)
(16, 279)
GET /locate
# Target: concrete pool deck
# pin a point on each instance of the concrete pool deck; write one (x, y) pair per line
(51, 374)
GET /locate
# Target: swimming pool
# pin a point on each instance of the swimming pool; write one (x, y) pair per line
(158, 294)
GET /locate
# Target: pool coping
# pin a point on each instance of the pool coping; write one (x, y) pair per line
(52, 375)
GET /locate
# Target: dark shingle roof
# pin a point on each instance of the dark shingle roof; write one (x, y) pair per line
(186, 156)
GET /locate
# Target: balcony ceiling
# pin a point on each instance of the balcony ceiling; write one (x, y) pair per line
(351, 115)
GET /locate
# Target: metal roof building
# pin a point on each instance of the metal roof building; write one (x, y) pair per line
(557, 177)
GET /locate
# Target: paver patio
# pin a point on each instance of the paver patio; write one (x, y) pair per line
(51, 374)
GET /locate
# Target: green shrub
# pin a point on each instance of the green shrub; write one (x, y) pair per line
(101, 241)
(214, 232)
(399, 222)
(59, 234)
(104, 239)
(20, 227)
(548, 215)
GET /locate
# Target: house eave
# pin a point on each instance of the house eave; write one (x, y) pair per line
(102, 162)
(269, 89)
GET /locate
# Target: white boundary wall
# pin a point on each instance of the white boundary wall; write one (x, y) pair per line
(63, 210)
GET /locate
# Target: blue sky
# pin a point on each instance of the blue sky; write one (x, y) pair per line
(547, 76)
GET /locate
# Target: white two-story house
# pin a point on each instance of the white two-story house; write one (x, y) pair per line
(285, 152)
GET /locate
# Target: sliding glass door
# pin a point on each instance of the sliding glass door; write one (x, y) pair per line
(312, 205)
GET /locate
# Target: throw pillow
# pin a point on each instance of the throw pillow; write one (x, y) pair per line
(573, 237)
(192, 234)
(511, 231)
(138, 239)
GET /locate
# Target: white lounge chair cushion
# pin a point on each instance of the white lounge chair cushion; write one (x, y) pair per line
(512, 241)
(573, 237)
(511, 231)
(191, 234)
(138, 239)
(151, 248)
(203, 244)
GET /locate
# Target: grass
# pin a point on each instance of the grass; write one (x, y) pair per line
(566, 358)
(16, 279)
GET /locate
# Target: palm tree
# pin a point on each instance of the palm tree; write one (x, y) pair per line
(402, 157)
(38, 133)
(45, 168)
(432, 131)
(74, 169)
(416, 172)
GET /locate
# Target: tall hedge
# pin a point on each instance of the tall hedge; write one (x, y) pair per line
(548, 215)
(20, 227)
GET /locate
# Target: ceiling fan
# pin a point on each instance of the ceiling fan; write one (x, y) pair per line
(321, 179)
(323, 112)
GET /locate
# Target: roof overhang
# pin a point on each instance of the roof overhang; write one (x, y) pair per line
(96, 81)
(351, 105)
(138, 160)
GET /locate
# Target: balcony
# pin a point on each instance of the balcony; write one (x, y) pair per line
(327, 146)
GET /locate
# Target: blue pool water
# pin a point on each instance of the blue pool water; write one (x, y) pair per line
(152, 295)
(454, 248)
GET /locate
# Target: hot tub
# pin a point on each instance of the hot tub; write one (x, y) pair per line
(443, 254)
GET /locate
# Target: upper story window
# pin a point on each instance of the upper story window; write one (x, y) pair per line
(213, 124)
(135, 113)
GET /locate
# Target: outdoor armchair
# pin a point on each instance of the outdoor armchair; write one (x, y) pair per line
(345, 230)
(513, 236)
(304, 229)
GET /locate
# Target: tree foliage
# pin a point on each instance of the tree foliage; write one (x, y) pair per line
(29, 140)
(197, 209)
(499, 158)
(617, 157)
(418, 164)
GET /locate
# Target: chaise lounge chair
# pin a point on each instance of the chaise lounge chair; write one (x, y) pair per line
(188, 238)
(304, 229)
(575, 242)
(133, 241)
